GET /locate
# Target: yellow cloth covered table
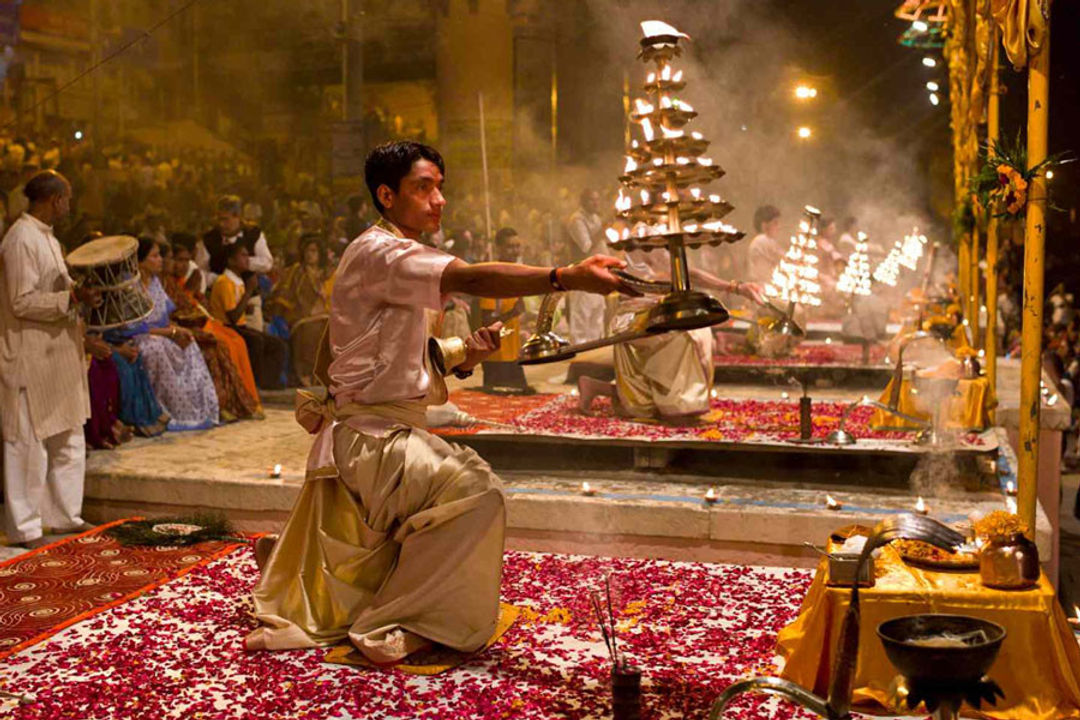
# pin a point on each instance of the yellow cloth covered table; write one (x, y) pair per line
(1038, 666)
(968, 409)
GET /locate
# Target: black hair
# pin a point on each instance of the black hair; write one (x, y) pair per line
(231, 251)
(146, 244)
(184, 240)
(312, 239)
(505, 234)
(764, 214)
(45, 186)
(390, 162)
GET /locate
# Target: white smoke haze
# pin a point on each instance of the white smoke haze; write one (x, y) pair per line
(741, 68)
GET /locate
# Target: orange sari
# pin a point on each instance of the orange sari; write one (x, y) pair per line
(188, 305)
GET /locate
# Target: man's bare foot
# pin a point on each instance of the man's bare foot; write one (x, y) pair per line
(589, 389)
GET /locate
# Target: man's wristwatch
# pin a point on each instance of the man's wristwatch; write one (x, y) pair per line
(553, 278)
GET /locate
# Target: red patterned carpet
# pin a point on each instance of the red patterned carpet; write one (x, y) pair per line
(48, 589)
(176, 652)
(809, 354)
(726, 421)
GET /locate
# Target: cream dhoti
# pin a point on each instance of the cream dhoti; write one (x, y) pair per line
(666, 375)
(395, 539)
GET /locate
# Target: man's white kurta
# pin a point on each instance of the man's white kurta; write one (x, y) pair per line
(41, 349)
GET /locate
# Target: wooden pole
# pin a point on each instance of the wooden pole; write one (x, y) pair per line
(993, 133)
(1034, 252)
(484, 161)
(963, 271)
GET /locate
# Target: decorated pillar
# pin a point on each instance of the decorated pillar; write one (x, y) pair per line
(993, 133)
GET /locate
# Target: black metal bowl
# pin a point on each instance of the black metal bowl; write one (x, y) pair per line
(940, 665)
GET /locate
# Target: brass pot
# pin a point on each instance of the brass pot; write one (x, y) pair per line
(1009, 562)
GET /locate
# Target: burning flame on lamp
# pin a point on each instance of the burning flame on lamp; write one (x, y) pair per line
(623, 202)
(710, 495)
(586, 489)
(647, 130)
(671, 134)
(612, 234)
(1010, 488)
(665, 73)
(276, 472)
(644, 197)
(643, 107)
(832, 504)
(631, 165)
(920, 506)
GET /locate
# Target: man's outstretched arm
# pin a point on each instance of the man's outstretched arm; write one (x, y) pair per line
(500, 280)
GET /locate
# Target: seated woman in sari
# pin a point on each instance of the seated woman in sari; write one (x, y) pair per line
(104, 429)
(301, 297)
(224, 360)
(177, 371)
(139, 407)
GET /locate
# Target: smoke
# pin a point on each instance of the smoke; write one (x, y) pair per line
(741, 68)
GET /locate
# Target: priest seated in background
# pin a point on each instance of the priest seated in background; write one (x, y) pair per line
(396, 540)
(668, 376)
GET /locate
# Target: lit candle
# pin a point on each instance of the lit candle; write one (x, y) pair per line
(276, 472)
(1010, 488)
(710, 496)
(695, 192)
(612, 234)
(677, 77)
(586, 489)
(920, 506)
(784, 395)
(665, 72)
(832, 504)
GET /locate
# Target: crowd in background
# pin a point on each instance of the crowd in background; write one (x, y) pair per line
(172, 198)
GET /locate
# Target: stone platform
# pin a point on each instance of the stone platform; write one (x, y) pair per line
(658, 513)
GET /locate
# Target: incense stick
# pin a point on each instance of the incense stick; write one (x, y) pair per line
(594, 595)
(614, 641)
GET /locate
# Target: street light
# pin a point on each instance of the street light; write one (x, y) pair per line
(1049, 174)
(805, 92)
(804, 132)
(934, 99)
(932, 86)
(929, 61)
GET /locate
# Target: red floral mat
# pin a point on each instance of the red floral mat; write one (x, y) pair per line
(498, 409)
(176, 652)
(809, 354)
(727, 420)
(45, 590)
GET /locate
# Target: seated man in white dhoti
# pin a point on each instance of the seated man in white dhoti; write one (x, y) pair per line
(661, 377)
(396, 540)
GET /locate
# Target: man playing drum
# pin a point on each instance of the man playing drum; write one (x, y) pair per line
(44, 399)
(396, 540)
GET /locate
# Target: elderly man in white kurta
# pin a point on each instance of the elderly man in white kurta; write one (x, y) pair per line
(396, 540)
(43, 388)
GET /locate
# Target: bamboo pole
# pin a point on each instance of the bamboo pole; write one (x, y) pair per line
(1034, 252)
(484, 162)
(993, 133)
(963, 271)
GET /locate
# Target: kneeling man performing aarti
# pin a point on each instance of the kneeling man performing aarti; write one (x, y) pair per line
(396, 540)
